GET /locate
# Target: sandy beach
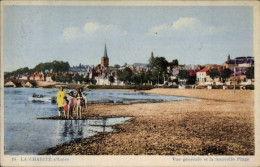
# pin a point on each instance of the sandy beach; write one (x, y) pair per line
(220, 122)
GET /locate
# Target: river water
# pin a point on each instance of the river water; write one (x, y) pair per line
(24, 134)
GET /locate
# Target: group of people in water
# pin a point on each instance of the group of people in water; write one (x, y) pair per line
(74, 102)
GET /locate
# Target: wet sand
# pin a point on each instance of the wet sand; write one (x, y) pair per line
(222, 123)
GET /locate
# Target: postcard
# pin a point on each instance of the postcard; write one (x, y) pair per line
(128, 83)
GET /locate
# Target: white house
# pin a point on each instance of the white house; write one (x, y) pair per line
(102, 80)
(202, 75)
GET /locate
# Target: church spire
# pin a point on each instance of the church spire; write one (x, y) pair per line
(105, 59)
(105, 53)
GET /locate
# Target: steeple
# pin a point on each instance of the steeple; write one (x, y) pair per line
(105, 53)
(228, 57)
(105, 59)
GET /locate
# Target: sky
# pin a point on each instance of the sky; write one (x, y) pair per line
(78, 34)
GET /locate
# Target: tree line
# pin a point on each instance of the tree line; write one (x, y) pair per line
(157, 73)
(55, 67)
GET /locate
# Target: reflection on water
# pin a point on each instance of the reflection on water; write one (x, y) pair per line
(110, 96)
(26, 139)
(25, 134)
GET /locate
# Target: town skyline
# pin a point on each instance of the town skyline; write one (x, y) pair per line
(193, 35)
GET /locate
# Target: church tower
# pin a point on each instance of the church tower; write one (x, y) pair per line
(105, 59)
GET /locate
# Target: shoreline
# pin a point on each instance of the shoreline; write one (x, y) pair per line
(84, 117)
(206, 127)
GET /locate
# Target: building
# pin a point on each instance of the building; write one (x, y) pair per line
(104, 66)
(239, 66)
(239, 62)
(102, 80)
(80, 69)
(49, 77)
(213, 66)
(202, 75)
(138, 67)
(105, 59)
(24, 77)
(36, 77)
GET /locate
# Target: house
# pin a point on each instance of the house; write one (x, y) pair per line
(48, 77)
(36, 77)
(192, 76)
(81, 70)
(24, 77)
(202, 75)
(239, 62)
(139, 67)
(102, 80)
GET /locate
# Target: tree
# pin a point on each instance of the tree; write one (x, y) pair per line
(214, 73)
(20, 71)
(53, 78)
(250, 73)
(136, 79)
(158, 68)
(60, 66)
(159, 63)
(183, 74)
(225, 73)
(111, 79)
(125, 75)
(117, 66)
(148, 76)
(175, 62)
(56, 66)
(156, 76)
(93, 81)
(78, 78)
(62, 78)
(142, 77)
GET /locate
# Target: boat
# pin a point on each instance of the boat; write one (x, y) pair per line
(41, 98)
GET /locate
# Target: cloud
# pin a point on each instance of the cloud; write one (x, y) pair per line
(159, 29)
(91, 28)
(94, 27)
(186, 23)
(70, 33)
(212, 30)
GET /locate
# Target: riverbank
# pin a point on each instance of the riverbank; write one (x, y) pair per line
(221, 124)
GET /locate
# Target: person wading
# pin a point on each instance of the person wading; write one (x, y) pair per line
(60, 97)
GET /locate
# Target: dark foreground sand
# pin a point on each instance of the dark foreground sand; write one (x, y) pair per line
(220, 124)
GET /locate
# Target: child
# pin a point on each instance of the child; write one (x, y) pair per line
(79, 103)
(71, 104)
(66, 107)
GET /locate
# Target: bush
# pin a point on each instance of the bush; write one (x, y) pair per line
(173, 86)
(250, 87)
